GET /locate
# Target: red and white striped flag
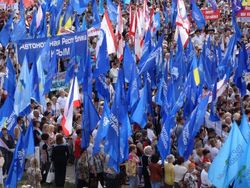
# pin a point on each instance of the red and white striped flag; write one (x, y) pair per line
(182, 23)
(110, 36)
(119, 31)
(73, 100)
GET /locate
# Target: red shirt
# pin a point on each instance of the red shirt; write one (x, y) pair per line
(155, 172)
(77, 152)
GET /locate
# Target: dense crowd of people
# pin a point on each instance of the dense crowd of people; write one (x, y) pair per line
(144, 168)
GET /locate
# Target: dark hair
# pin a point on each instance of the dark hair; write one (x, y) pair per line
(4, 129)
(155, 158)
(59, 139)
(78, 132)
(205, 151)
(19, 118)
(180, 160)
(45, 136)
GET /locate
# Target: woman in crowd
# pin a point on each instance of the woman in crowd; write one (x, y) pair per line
(145, 162)
(169, 172)
(34, 175)
(83, 170)
(60, 154)
(179, 172)
(155, 172)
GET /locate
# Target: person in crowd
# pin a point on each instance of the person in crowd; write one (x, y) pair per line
(7, 154)
(37, 133)
(34, 175)
(190, 178)
(45, 149)
(132, 167)
(19, 128)
(155, 172)
(205, 182)
(59, 157)
(169, 172)
(179, 172)
(83, 170)
(146, 158)
(1, 167)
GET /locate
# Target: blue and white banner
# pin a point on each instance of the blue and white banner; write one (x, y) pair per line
(61, 45)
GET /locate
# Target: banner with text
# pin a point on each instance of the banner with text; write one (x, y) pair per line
(61, 45)
(244, 15)
(209, 14)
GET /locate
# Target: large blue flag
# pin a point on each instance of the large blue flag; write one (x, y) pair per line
(236, 27)
(242, 178)
(102, 62)
(164, 142)
(10, 79)
(245, 128)
(29, 141)
(116, 143)
(226, 164)
(17, 165)
(139, 115)
(236, 6)
(19, 31)
(102, 128)
(191, 128)
(34, 83)
(213, 4)
(101, 7)
(87, 75)
(198, 16)
(22, 92)
(90, 119)
(68, 14)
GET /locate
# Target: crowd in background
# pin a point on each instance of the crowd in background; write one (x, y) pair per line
(144, 167)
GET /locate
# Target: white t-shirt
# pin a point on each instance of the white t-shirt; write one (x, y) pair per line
(204, 179)
(61, 102)
(179, 172)
(113, 73)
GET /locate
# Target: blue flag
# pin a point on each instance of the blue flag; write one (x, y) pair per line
(22, 92)
(152, 58)
(102, 62)
(116, 143)
(87, 75)
(242, 178)
(198, 16)
(191, 128)
(10, 79)
(102, 87)
(112, 11)
(80, 5)
(17, 165)
(19, 31)
(34, 83)
(68, 14)
(102, 128)
(164, 142)
(213, 116)
(213, 3)
(139, 115)
(165, 12)
(90, 119)
(236, 6)
(236, 27)
(5, 32)
(84, 25)
(77, 23)
(101, 7)
(96, 22)
(133, 88)
(51, 73)
(173, 12)
(245, 128)
(128, 62)
(29, 141)
(226, 164)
